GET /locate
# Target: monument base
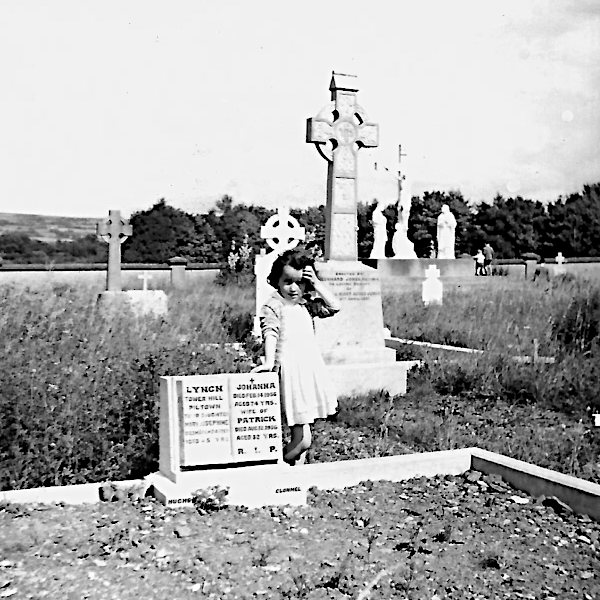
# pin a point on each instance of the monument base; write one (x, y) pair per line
(364, 378)
(141, 302)
(279, 484)
(352, 342)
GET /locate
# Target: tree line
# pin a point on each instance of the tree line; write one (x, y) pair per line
(513, 227)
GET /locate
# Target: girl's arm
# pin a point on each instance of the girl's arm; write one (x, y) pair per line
(321, 289)
(269, 321)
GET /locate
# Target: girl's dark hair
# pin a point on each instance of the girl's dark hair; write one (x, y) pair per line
(296, 258)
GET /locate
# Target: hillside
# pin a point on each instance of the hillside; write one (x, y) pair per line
(47, 228)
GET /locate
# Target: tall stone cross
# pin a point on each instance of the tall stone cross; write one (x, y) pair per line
(114, 230)
(338, 131)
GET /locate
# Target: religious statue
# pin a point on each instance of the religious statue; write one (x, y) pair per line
(379, 222)
(446, 226)
(402, 246)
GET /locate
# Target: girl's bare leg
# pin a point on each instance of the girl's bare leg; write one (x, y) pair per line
(299, 444)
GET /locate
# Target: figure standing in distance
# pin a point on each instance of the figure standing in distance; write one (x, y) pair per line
(379, 223)
(446, 226)
(480, 263)
(431, 249)
(488, 253)
(291, 348)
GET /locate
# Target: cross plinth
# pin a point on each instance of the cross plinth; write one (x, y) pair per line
(114, 231)
(338, 131)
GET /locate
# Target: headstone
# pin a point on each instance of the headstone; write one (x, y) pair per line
(145, 277)
(446, 226)
(352, 342)
(281, 232)
(560, 268)
(432, 286)
(209, 422)
(114, 231)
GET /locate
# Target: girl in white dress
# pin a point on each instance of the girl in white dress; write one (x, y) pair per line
(291, 348)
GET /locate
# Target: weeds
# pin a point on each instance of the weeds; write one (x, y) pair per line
(210, 499)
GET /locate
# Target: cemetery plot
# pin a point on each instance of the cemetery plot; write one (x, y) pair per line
(469, 536)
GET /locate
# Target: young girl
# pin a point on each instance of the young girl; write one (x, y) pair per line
(291, 347)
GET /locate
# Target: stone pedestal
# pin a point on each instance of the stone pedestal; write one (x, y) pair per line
(352, 342)
(178, 266)
(141, 302)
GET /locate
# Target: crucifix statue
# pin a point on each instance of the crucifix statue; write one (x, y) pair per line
(338, 131)
(114, 230)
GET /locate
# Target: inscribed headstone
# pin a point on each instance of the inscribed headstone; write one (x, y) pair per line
(219, 419)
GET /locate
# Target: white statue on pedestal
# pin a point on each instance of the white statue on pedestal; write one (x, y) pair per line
(379, 223)
(446, 226)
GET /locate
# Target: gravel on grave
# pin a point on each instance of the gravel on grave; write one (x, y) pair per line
(466, 537)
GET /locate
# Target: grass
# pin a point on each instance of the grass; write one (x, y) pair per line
(79, 389)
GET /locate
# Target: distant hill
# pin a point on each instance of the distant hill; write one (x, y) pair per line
(46, 228)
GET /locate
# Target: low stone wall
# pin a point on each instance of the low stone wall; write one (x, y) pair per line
(93, 276)
(398, 267)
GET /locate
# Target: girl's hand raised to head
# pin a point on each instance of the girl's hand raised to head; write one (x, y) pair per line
(308, 274)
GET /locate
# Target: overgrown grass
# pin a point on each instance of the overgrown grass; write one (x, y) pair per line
(79, 389)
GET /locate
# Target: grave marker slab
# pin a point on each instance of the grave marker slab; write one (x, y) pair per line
(224, 429)
(218, 419)
(433, 289)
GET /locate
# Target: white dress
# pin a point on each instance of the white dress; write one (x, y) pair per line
(306, 393)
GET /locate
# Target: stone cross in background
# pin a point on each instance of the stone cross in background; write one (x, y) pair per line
(433, 290)
(560, 264)
(338, 131)
(281, 232)
(145, 277)
(114, 230)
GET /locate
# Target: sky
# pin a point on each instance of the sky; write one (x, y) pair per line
(117, 104)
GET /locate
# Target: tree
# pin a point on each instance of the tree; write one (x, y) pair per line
(510, 225)
(160, 233)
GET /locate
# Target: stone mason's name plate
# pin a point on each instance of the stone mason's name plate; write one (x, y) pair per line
(228, 418)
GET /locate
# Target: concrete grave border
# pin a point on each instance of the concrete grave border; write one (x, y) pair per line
(581, 495)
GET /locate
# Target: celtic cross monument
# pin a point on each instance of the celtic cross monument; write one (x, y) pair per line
(352, 342)
(338, 131)
(114, 231)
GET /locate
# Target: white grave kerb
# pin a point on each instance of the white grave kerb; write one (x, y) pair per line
(281, 232)
(432, 286)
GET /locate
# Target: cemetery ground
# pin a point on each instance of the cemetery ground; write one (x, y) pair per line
(79, 396)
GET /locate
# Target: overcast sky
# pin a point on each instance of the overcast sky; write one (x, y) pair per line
(116, 104)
